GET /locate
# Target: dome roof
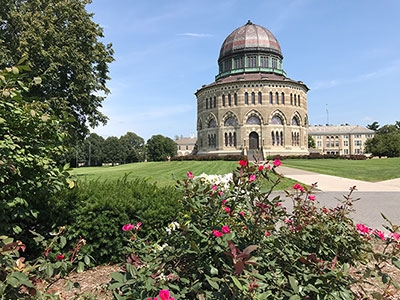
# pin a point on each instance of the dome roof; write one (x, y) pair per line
(250, 37)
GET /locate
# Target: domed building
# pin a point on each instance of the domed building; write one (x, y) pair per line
(252, 108)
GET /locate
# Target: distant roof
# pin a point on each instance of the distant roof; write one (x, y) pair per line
(186, 141)
(342, 129)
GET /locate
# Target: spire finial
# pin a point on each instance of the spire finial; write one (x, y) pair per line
(249, 23)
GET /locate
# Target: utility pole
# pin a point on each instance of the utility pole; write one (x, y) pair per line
(327, 115)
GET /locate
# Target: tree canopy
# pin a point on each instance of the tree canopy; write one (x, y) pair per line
(62, 45)
(159, 147)
(386, 141)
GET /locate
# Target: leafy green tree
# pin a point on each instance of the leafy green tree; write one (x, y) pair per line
(94, 149)
(386, 141)
(113, 151)
(31, 136)
(133, 146)
(62, 43)
(159, 147)
(374, 126)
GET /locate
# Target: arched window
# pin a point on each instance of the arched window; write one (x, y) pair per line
(291, 99)
(295, 100)
(229, 100)
(246, 98)
(283, 98)
(278, 142)
(271, 100)
(277, 98)
(298, 100)
(235, 99)
(253, 98)
(212, 123)
(230, 139)
(226, 139)
(215, 101)
(253, 120)
(295, 121)
(281, 134)
(231, 121)
(259, 98)
(273, 138)
(276, 120)
(223, 100)
(207, 103)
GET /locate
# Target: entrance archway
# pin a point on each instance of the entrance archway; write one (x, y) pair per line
(254, 141)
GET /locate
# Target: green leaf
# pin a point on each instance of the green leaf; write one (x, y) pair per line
(293, 284)
(237, 283)
(295, 297)
(396, 262)
(117, 276)
(213, 284)
(86, 259)
(63, 241)
(81, 267)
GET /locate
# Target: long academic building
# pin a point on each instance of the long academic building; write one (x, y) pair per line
(252, 107)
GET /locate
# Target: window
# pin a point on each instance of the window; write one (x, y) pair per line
(295, 100)
(357, 143)
(277, 98)
(295, 121)
(253, 98)
(235, 99)
(346, 143)
(259, 98)
(206, 103)
(229, 100)
(283, 98)
(274, 63)
(298, 100)
(276, 120)
(319, 144)
(270, 98)
(212, 123)
(264, 62)
(238, 62)
(187, 147)
(253, 120)
(215, 101)
(291, 99)
(231, 121)
(223, 100)
(246, 98)
(252, 61)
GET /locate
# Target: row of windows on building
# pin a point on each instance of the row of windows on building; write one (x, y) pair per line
(231, 140)
(356, 136)
(332, 144)
(252, 120)
(274, 98)
(252, 61)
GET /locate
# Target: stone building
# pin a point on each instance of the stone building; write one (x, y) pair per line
(252, 108)
(340, 140)
(186, 145)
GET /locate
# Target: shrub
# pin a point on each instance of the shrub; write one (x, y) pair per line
(238, 242)
(96, 210)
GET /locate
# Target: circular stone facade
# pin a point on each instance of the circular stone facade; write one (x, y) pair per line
(252, 108)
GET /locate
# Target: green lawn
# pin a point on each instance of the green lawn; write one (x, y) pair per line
(368, 170)
(162, 173)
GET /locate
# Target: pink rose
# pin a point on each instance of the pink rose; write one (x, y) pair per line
(225, 229)
(127, 227)
(165, 295)
(363, 229)
(260, 168)
(189, 175)
(217, 233)
(252, 177)
(243, 163)
(277, 162)
(311, 197)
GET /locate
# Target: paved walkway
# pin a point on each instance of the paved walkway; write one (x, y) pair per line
(333, 183)
(373, 198)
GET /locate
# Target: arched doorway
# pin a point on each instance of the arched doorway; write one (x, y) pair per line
(253, 141)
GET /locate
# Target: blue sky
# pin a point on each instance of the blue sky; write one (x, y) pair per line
(346, 52)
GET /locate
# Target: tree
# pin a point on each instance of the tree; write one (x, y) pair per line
(374, 126)
(113, 150)
(386, 141)
(62, 44)
(159, 147)
(94, 149)
(31, 136)
(133, 146)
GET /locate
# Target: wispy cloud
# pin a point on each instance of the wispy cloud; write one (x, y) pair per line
(200, 35)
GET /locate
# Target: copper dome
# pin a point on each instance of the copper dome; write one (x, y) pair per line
(250, 37)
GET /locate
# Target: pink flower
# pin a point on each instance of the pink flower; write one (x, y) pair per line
(243, 163)
(165, 295)
(224, 201)
(214, 187)
(297, 186)
(217, 233)
(267, 234)
(380, 234)
(288, 221)
(227, 209)
(395, 236)
(363, 229)
(189, 175)
(268, 167)
(225, 229)
(241, 213)
(60, 256)
(137, 227)
(252, 177)
(221, 193)
(311, 197)
(127, 227)
(277, 162)
(260, 168)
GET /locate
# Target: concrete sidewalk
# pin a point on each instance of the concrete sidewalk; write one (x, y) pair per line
(334, 184)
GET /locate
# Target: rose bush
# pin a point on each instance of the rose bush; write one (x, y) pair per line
(239, 242)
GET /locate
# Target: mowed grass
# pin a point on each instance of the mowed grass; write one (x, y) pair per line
(163, 173)
(372, 170)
